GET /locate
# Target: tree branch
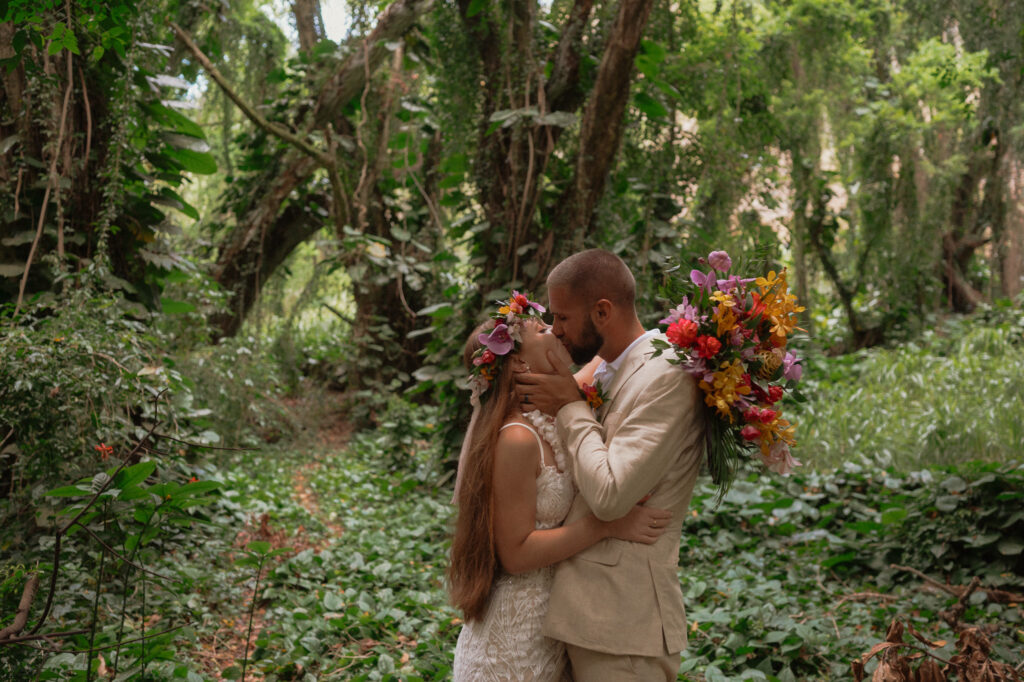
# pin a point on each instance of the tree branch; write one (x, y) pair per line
(350, 79)
(273, 128)
(21, 615)
(562, 89)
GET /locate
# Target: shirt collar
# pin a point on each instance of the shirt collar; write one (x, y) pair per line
(605, 372)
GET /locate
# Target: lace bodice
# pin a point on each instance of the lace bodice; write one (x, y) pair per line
(506, 644)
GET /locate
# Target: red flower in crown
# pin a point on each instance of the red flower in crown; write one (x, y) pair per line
(486, 358)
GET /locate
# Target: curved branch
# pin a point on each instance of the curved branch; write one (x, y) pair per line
(250, 113)
(349, 80)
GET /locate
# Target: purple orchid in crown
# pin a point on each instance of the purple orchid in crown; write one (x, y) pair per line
(499, 341)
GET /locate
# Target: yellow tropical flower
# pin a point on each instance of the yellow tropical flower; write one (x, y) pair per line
(769, 282)
(723, 298)
(725, 388)
(504, 310)
(726, 319)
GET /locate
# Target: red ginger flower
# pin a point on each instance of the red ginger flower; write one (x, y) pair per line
(682, 333)
(708, 346)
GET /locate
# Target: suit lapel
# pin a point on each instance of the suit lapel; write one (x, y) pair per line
(634, 361)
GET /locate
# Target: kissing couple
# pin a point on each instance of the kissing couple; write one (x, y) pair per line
(572, 489)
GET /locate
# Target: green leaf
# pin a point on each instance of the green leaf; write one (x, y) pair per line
(333, 602)
(838, 559)
(135, 474)
(437, 310)
(475, 7)
(947, 503)
(174, 120)
(1010, 546)
(231, 673)
(171, 307)
(68, 491)
(650, 106)
(895, 515)
(258, 546)
(201, 163)
(654, 50)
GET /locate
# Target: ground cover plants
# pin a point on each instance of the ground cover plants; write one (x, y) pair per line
(321, 555)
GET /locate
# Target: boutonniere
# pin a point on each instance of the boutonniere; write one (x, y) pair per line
(594, 395)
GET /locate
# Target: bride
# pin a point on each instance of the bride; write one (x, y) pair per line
(514, 489)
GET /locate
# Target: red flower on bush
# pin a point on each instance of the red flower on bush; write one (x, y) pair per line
(750, 432)
(774, 394)
(708, 346)
(104, 450)
(682, 333)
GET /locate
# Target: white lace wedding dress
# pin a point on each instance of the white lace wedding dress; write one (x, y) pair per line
(506, 645)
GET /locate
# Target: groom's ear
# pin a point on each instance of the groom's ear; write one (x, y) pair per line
(601, 312)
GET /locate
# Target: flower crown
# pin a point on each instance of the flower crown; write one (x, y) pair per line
(503, 340)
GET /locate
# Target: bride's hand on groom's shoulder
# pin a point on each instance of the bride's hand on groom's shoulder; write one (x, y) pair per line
(547, 392)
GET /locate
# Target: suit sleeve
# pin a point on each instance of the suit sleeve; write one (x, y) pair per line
(613, 477)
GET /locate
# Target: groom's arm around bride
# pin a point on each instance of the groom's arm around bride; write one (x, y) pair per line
(618, 605)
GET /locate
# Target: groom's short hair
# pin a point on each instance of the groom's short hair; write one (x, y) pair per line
(595, 274)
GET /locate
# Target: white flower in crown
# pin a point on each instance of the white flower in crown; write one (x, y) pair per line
(477, 385)
(515, 330)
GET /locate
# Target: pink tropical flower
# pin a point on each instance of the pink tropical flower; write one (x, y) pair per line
(720, 260)
(704, 281)
(779, 459)
(791, 368)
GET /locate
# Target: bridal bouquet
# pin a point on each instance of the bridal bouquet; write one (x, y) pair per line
(731, 334)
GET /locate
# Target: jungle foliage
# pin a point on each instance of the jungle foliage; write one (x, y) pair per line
(214, 218)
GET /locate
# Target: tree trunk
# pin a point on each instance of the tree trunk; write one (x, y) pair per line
(1011, 253)
(601, 128)
(261, 239)
(308, 23)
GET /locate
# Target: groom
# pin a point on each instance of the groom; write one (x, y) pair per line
(618, 605)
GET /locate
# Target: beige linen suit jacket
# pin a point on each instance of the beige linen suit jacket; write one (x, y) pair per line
(621, 597)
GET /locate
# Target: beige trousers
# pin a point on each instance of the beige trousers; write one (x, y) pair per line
(594, 666)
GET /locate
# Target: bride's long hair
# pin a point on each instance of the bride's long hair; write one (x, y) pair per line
(474, 561)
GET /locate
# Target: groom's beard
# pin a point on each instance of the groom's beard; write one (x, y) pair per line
(590, 342)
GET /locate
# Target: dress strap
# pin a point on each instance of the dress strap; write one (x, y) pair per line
(540, 443)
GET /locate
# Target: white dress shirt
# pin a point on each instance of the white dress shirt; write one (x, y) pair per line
(605, 372)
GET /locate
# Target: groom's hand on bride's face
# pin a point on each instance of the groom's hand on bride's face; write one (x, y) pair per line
(547, 392)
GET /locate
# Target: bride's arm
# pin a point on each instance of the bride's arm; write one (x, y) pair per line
(519, 545)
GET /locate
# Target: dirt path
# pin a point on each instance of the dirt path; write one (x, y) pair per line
(227, 645)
